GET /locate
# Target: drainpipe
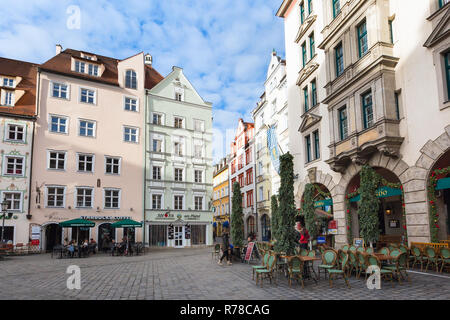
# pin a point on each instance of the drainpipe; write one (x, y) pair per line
(145, 168)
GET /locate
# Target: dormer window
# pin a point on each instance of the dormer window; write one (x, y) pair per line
(93, 70)
(80, 66)
(130, 79)
(89, 68)
(7, 98)
(8, 82)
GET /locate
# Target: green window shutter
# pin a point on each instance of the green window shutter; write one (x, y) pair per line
(391, 30)
(309, 6)
(343, 126)
(367, 110)
(336, 7)
(313, 93)
(447, 72)
(339, 60)
(397, 106)
(302, 12)
(306, 99)
(316, 145)
(312, 48)
(362, 39)
(304, 54)
(308, 148)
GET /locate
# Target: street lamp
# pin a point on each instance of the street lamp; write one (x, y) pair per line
(4, 206)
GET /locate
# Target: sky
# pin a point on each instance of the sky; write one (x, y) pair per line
(224, 47)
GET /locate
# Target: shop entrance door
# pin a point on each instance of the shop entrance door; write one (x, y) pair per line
(179, 236)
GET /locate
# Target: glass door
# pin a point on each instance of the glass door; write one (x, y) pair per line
(178, 236)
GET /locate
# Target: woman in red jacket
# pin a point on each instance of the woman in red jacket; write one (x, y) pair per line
(304, 237)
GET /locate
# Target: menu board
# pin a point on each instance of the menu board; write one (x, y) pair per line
(171, 232)
(187, 232)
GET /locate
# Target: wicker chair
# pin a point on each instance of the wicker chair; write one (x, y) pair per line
(295, 269)
(345, 247)
(360, 249)
(216, 252)
(329, 258)
(432, 258)
(445, 257)
(352, 263)
(264, 265)
(362, 263)
(369, 250)
(417, 257)
(334, 272)
(399, 266)
(385, 251)
(372, 260)
(268, 272)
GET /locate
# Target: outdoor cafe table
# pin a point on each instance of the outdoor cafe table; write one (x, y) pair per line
(307, 259)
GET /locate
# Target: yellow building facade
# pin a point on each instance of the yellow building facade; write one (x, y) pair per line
(221, 196)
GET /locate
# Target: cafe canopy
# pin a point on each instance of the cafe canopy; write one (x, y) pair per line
(383, 192)
(126, 223)
(77, 223)
(443, 183)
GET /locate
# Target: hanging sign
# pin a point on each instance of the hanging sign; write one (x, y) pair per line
(272, 144)
(332, 227)
(323, 203)
(383, 192)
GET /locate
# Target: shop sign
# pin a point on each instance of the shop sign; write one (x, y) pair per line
(332, 227)
(104, 218)
(323, 203)
(35, 235)
(192, 217)
(320, 240)
(165, 216)
(383, 192)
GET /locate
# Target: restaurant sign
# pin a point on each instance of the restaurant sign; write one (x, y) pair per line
(323, 203)
(383, 192)
(180, 216)
(104, 218)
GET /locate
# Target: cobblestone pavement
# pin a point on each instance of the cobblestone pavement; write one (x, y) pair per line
(185, 274)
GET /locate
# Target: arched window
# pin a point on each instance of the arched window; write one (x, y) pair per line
(250, 225)
(130, 79)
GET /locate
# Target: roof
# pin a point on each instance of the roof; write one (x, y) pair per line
(26, 104)
(61, 64)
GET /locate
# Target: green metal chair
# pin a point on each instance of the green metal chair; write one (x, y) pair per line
(345, 247)
(329, 258)
(216, 252)
(360, 249)
(352, 248)
(335, 272)
(432, 258)
(352, 263)
(369, 250)
(268, 272)
(303, 252)
(295, 269)
(444, 257)
(399, 266)
(403, 248)
(385, 251)
(372, 260)
(264, 264)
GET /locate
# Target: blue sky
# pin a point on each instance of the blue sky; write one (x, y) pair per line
(224, 47)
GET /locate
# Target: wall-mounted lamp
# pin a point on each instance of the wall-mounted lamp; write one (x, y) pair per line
(388, 211)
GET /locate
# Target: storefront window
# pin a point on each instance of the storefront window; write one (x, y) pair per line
(198, 234)
(158, 235)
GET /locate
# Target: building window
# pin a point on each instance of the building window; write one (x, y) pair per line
(261, 194)
(92, 70)
(178, 96)
(59, 90)
(313, 93)
(84, 197)
(397, 105)
(249, 199)
(302, 12)
(80, 66)
(310, 6)
(157, 119)
(112, 199)
(156, 201)
(8, 98)
(198, 203)
(8, 82)
(130, 104)
(447, 73)
(305, 99)
(391, 30)
(198, 174)
(339, 52)
(156, 173)
(304, 57)
(178, 149)
(58, 124)
(178, 122)
(87, 128)
(312, 46)
(112, 165)
(198, 151)
(362, 39)
(55, 197)
(13, 199)
(367, 110)
(85, 163)
(316, 144)
(199, 125)
(15, 132)
(87, 96)
(443, 3)
(130, 79)
(241, 180)
(157, 145)
(178, 174)
(336, 8)
(308, 148)
(249, 176)
(343, 125)
(130, 134)
(248, 156)
(14, 166)
(57, 160)
(178, 202)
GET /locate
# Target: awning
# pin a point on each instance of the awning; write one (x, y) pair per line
(383, 192)
(323, 203)
(77, 223)
(443, 183)
(126, 223)
(225, 224)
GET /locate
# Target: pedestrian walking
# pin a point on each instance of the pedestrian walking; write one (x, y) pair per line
(225, 249)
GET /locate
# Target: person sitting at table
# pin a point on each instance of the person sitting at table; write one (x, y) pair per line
(92, 245)
(71, 248)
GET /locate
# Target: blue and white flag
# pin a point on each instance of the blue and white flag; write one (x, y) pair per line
(272, 144)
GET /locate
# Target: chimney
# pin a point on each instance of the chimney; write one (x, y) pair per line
(148, 59)
(58, 49)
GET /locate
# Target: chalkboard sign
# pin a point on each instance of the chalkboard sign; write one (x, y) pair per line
(171, 232)
(359, 242)
(187, 232)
